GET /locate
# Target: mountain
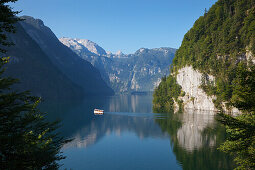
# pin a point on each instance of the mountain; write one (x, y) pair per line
(83, 45)
(76, 69)
(36, 72)
(98, 61)
(141, 71)
(146, 66)
(214, 67)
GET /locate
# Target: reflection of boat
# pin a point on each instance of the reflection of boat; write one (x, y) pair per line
(98, 112)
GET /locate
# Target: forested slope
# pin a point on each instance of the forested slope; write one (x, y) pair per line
(221, 44)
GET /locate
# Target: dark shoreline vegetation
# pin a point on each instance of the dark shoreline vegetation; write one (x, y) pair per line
(27, 140)
(219, 44)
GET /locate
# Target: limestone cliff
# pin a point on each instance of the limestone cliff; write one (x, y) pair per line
(195, 98)
(214, 67)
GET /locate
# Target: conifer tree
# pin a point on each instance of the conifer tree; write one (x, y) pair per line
(241, 129)
(7, 19)
(27, 141)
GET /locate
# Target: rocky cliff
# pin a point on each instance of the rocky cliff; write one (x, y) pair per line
(195, 98)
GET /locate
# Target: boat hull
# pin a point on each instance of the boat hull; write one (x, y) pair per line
(98, 112)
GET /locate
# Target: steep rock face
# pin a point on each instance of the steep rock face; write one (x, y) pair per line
(76, 69)
(195, 98)
(141, 71)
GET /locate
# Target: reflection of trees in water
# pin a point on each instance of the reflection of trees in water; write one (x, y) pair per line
(195, 137)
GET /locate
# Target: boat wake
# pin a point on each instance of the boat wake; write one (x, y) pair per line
(133, 114)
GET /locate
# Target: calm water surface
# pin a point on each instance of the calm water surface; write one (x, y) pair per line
(130, 136)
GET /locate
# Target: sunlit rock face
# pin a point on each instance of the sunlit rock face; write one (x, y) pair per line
(249, 56)
(190, 136)
(83, 44)
(195, 97)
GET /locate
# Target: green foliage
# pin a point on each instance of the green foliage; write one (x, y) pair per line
(241, 141)
(244, 88)
(241, 129)
(165, 93)
(7, 19)
(216, 45)
(27, 141)
(216, 42)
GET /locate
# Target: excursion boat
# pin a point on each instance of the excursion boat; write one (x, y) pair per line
(98, 112)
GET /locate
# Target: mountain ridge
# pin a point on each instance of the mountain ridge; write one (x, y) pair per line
(35, 71)
(78, 70)
(127, 73)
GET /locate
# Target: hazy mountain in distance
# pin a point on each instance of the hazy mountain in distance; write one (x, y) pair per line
(35, 70)
(76, 69)
(141, 71)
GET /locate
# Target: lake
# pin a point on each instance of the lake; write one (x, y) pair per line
(130, 136)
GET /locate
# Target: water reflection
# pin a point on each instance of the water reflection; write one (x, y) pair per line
(195, 137)
(123, 113)
(116, 124)
(131, 104)
(190, 135)
(129, 131)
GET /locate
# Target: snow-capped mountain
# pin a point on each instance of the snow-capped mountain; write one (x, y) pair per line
(141, 71)
(83, 44)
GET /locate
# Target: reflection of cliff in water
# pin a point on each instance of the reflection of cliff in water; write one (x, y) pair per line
(195, 137)
(190, 136)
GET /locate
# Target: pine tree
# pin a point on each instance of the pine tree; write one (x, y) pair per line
(27, 141)
(7, 19)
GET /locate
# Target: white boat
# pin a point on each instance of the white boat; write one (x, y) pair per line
(98, 112)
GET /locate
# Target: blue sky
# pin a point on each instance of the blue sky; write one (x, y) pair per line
(125, 25)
